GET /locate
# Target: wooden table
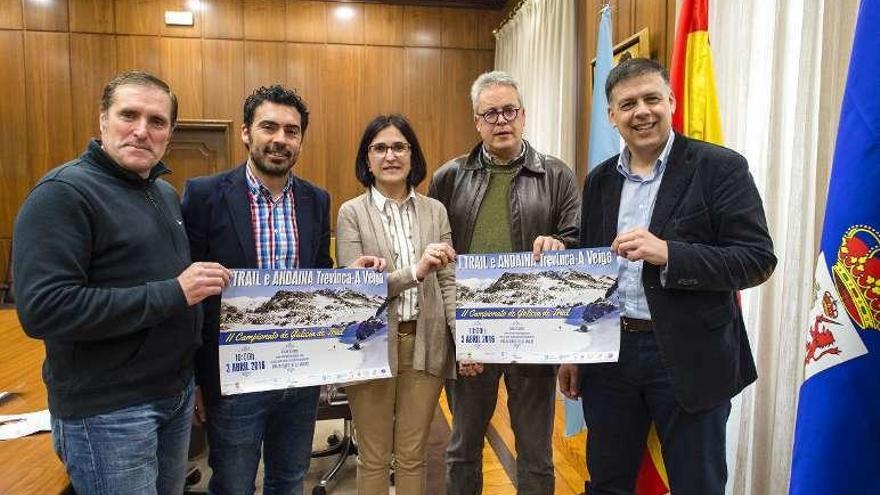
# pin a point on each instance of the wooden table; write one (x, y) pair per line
(27, 465)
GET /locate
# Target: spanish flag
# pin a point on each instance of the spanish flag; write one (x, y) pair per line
(692, 77)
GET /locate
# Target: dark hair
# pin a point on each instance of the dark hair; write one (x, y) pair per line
(139, 78)
(276, 94)
(631, 68)
(418, 169)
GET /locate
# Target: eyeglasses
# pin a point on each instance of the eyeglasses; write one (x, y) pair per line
(491, 115)
(398, 148)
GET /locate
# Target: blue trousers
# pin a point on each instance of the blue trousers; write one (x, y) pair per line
(278, 424)
(140, 449)
(621, 400)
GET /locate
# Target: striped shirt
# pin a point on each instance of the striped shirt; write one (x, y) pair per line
(273, 222)
(398, 221)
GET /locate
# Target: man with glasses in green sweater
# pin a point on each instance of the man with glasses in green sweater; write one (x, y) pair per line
(504, 196)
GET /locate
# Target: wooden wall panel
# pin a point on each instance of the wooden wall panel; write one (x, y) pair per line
(383, 24)
(181, 65)
(49, 113)
(14, 168)
(488, 20)
(460, 68)
(385, 58)
(92, 16)
(223, 86)
(652, 14)
(10, 14)
(139, 17)
(423, 26)
(305, 65)
(138, 52)
(345, 23)
(306, 21)
(264, 64)
(92, 64)
(460, 28)
(264, 19)
(194, 31)
(423, 100)
(621, 19)
(341, 109)
(223, 19)
(45, 16)
(5, 248)
(382, 81)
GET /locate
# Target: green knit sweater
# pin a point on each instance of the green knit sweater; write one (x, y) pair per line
(492, 229)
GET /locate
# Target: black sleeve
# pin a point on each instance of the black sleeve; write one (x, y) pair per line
(53, 240)
(742, 254)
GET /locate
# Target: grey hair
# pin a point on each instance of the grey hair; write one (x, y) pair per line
(494, 78)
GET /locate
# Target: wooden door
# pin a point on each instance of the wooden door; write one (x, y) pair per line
(198, 147)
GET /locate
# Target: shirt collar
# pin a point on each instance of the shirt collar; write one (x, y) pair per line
(623, 161)
(490, 159)
(380, 200)
(256, 186)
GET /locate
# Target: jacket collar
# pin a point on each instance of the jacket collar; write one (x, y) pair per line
(530, 160)
(678, 174)
(419, 234)
(103, 160)
(676, 178)
(237, 199)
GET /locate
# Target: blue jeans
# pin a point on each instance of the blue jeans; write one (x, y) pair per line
(280, 422)
(140, 449)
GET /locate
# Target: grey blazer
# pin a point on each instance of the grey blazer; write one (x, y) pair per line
(359, 231)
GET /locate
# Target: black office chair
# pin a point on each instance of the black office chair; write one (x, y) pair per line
(198, 445)
(333, 404)
(7, 297)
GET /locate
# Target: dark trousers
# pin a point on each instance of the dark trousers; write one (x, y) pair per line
(531, 403)
(622, 399)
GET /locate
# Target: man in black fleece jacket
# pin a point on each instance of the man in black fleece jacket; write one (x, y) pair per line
(103, 277)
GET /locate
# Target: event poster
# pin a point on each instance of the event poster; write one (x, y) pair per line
(294, 328)
(561, 309)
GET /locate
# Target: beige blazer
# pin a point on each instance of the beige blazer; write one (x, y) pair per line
(359, 231)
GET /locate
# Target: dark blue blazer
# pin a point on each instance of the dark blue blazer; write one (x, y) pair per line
(217, 216)
(710, 214)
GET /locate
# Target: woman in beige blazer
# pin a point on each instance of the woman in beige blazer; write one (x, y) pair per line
(411, 231)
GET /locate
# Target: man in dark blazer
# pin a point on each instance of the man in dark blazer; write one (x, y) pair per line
(687, 223)
(258, 215)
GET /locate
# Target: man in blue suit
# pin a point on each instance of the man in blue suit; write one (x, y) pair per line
(258, 215)
(687, 223)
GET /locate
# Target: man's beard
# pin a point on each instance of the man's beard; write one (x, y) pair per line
(276, 170)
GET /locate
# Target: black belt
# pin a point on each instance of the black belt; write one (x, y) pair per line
(405, 328)
(636, 325)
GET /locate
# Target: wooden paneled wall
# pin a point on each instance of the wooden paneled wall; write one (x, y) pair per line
(350, 61)
(628, 17)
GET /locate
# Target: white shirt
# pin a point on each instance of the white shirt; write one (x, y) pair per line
(398, 220)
